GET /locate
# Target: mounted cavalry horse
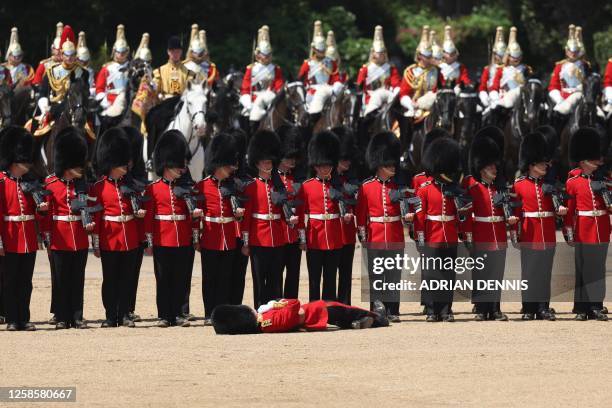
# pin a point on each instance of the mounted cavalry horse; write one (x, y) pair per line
(287, 108)
(5, 105)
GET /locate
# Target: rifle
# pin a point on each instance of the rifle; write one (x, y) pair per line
(406, 198)
(133, 189)
(601, 187)
(36, 189)
(234, 188)
(81, 205)
(504, 199)
(344, 196)
(189, 195)
(557, 194)
(287, 204)
(462, 200)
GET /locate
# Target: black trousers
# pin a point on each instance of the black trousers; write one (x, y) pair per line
(17, 284)
(216, 278)
(136, 276)
(292, 257)
(438, 302)
(391, 299)
(536, 269)
(185, 305)
(52, 308)
(488, 301)
(172, 268)
(69, 284)
(2, 313)
(345, 273)
(343, 315)
(322, 263)
(267, 271)
(118, 277)
(238, 274)
(590, 289)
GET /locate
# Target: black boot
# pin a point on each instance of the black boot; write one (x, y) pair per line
(381, 319)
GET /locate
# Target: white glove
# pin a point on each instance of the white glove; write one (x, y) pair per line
(43, 105)
(395, 91)
(555, 95)
(246, 102)
(484, 98)
(457, 90)
(494, 99)
(407, 103)
(337, 88)
(608, 94)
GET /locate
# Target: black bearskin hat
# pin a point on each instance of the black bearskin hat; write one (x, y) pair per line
(114, 150)
(292, 142)
(383, 150)
(550, 135)
(494, 133)
(221, 151)
(484, 151)
(234, 319)
(70, 150)
(15, 146)
(171, 151)
(348, 144)
(136, 139)
(324, 149)
(534, 149)
(443, 156)
(585, 144)
(264, 145)
(432, 135)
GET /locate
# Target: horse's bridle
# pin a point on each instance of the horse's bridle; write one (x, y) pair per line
(292, 105)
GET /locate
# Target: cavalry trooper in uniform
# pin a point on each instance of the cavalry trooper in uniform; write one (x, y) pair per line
(198, 59)
(56, 56)
(378, 79)
(452, 72)
(84, 58)
(420, 81)
(145, 97)
(488, 73)
(511, 77)
(437, 54)
(319, 74)
(331, 52)
(22, 74)
(171, 78)
(567, 79)
(262, 80)
(112, 79)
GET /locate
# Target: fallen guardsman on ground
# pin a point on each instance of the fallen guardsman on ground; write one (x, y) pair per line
(287, 315)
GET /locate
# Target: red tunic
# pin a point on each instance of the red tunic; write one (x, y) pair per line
(102, 86)
(486, 76)
(536, 232)
(434, 204)
(349, 230)
(163, 203)
(17, 236)
(320, 233)
(64, 235)
(286, 318)
(586, 228)
(419, 179)
(408, 79)
(114, 235)
(303, 75)
(276, 84)
(373, 200)
(485, 233)
(5, 76)
(40, 71)
(218, 231)
(392, 81)
(608, 74)
(463, 79)
(292, 233)
(556, 82)
(262, 232)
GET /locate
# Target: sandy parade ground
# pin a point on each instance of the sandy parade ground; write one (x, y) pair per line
(466, 363)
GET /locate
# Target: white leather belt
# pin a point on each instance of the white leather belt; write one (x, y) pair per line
(441, 218)
(491, 218)
(538, 214)
(595, 213)
(266, 217)
(571, 90)
(170, 217)
(19, 218)
(67, 218)
(323, 217)
(118, 218)
(385, 219)
(219, 220)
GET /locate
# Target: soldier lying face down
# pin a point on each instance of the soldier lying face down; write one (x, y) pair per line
(287, 315)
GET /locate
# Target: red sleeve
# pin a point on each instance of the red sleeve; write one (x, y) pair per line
(301, 209)
(45, 221)
(361, 212)
(39, 74)
(395, 78)
(608, 75)
(278, 79)
(555, 79)
(97, 216)
(101, 80)
(245, 89)
(335, 76)
(303, 74)
(405, 88)
(361, 77)
(497, 79)
(249, 192)
(464, 78)
(571, 204)
(420, 216)
(483, 79)
(467, 225)
(282, 320)
(148, 206)
(8, 77)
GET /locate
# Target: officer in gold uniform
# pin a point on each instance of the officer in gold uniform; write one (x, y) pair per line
(171, 79)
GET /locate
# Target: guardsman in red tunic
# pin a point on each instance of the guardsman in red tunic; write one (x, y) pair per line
(379, 220)
(55, 58)
(348, 153)
(285, 315)
(262, 79)
(378, 78)
(452, 72)
(18, 237)
(319, 74)
(21, 74)
(332, 53)
(587, 224)
(536, 226)
(116, 234)
(485, 226)
(171, 229)
(112, 79)
(489, 72)
(64, 229)
(263, 233)
(292, 149)
(320, 214)
(218, 230)
(436, 225)
(422, 177)
(607, 85)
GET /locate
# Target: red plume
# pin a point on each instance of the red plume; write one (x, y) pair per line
(67, 34)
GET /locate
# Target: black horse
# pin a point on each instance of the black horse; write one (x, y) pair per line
(224, 113)
(467, 122)
(5, 105)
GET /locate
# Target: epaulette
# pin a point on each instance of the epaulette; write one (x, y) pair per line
(420, 174)
(49, 182)
(520, 178)
(368, 180)
(249, 66)
(425, 184)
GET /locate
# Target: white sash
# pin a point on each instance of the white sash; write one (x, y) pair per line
(374, 74)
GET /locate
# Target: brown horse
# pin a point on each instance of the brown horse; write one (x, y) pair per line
(287, 108)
